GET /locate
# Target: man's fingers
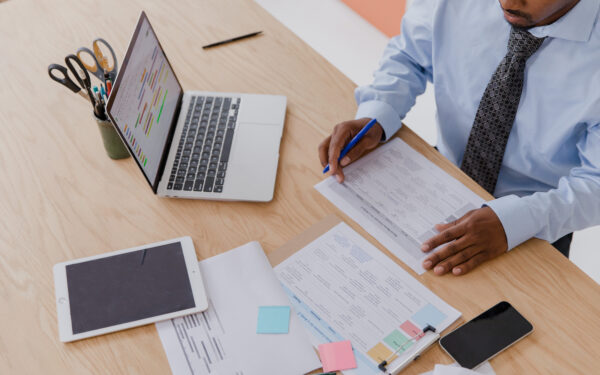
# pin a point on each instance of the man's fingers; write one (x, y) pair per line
(446, 252)
(323, 151)
(335, 148)
(340, 175)
(331, 147)
(357, 151)
(447, 235)
(460, 257)
(473, 262)
(443, 226)
(474, 238)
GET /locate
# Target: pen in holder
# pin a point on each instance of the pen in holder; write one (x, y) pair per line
(115, 149)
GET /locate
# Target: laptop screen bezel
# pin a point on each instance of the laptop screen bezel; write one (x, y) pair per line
(163, 159)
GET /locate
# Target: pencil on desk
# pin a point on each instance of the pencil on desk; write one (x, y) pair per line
(232, 40)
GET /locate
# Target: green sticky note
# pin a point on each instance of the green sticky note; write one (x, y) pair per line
(273, 319)
(396, 340)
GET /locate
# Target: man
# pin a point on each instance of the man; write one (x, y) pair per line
(517, 85)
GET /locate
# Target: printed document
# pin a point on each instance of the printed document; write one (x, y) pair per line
(398, 196)
(344, 288)
(223, 340)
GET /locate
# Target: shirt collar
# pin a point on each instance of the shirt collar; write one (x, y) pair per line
(576, 25)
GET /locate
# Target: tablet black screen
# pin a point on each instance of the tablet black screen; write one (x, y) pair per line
(128, 287)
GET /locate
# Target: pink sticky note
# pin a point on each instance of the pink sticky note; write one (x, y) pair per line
(411, 329)
(337, 356)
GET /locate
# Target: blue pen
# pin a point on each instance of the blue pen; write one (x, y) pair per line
(102, 91)
(354, 141)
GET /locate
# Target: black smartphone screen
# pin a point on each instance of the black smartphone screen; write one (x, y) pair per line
(486, 335)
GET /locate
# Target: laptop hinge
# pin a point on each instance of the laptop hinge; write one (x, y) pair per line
(167, 148)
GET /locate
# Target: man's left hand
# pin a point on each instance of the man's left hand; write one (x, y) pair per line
(471, 240)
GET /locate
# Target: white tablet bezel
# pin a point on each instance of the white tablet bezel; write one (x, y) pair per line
(62, 294)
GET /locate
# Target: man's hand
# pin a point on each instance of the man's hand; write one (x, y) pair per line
(471, 240)
(331, 148)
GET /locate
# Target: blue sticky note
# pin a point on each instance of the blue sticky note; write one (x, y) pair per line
(428, 315)
(273, 319)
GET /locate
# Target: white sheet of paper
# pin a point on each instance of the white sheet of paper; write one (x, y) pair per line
(398, 196)
(454, 369)
(344, 288)
(223, 339)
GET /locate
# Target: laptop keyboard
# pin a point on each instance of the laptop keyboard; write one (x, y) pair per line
(203, 151)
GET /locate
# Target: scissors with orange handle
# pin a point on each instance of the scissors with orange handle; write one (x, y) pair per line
(99, 60)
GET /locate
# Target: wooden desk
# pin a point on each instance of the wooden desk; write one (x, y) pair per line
(63, 198)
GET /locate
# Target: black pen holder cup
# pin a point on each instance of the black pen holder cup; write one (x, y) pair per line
(115, 149)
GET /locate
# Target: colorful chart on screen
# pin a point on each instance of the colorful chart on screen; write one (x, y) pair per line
(145, 101)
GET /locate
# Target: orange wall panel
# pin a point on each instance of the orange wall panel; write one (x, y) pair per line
(383, 14)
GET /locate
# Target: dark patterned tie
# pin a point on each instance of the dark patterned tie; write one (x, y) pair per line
(497, 110)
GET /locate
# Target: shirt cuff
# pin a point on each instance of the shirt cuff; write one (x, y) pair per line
(386, 116)
(516, 218)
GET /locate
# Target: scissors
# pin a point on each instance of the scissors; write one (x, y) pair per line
(83, 82)
(99, 60)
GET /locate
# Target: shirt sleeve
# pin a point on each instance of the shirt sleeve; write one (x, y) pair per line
(573, 205)
(404, 69)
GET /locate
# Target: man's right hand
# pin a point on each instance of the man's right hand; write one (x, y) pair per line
(331, 147)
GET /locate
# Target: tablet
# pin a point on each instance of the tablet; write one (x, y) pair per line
(128, 288)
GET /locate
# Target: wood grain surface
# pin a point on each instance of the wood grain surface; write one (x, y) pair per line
(63, 198)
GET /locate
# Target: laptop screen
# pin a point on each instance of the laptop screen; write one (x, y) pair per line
(144, 100)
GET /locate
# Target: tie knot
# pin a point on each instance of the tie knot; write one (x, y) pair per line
(522, 43)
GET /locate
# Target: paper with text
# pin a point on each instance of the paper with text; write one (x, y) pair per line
(344, 288)
(223, 340)
(398, 196)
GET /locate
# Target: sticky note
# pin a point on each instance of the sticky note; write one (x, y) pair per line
(380, 353)
(337, 356)
(273, 319)
(411, 329)
(397, 340)
(428, 315)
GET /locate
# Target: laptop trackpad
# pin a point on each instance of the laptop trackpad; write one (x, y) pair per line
(254, 157)
(262, 109)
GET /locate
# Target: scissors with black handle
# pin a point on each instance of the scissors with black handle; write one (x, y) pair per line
(100, 64)
(83, 86)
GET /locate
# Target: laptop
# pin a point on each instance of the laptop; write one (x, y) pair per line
(193, 144)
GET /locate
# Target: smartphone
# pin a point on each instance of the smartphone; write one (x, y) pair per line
(486, 335)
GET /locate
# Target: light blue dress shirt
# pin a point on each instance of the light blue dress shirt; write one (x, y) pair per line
(549, 182)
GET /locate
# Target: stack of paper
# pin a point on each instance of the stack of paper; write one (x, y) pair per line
(224, 339)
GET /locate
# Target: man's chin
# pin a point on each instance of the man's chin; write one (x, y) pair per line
(517, 21)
